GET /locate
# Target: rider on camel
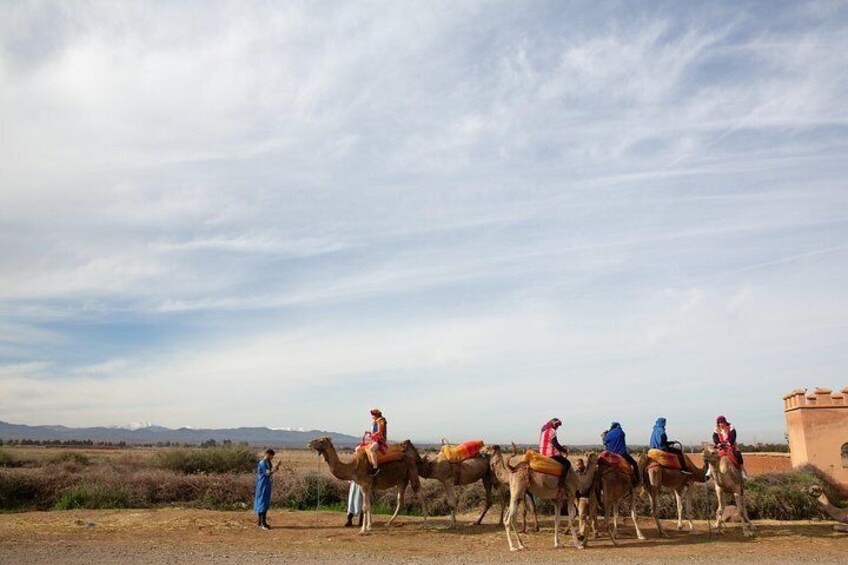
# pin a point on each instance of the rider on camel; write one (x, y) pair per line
(614, 442)
(659, 440)
(379, 438)
(724, 437)
(549, 446)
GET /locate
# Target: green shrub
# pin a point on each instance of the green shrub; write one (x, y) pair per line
(68, 457)
(19, 489)
(314, 490)
(93, 496)
(6, 459)
(230, 459)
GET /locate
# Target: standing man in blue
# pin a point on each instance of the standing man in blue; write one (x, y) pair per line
(614, 442)
(262, 498)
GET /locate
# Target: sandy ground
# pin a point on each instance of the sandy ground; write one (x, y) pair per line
(181, 535)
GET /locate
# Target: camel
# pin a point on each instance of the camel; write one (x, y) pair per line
(449, 474)
(396, 473)
(835, 512)
(728, 479)
(500, 480)
(655, 478)
(523, 480)
(612, 485)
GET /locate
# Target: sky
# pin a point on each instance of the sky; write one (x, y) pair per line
(476, 215)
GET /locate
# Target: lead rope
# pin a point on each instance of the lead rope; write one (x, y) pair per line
(709, 503)
(318, 498)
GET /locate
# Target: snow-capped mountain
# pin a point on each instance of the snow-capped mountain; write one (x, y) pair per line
(133, 426)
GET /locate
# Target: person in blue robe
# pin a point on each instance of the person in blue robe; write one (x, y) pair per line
(262, 497)
(615, 442)
(659, 440)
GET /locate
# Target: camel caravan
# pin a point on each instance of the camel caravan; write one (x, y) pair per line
(580, 494)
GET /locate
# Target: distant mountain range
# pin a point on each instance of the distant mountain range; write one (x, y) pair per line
(144, 432)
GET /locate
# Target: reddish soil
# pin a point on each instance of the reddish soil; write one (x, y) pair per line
(760, 463)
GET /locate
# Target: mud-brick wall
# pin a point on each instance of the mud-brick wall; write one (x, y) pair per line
(817, 423)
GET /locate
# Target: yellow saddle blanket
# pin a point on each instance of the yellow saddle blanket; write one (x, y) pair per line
(669, 460)
(542, 464)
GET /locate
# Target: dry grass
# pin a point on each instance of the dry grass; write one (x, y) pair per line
(38, 478)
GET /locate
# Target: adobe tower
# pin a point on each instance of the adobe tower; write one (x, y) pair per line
(817, 423)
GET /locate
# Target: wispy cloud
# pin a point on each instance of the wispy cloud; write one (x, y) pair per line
(330, 206)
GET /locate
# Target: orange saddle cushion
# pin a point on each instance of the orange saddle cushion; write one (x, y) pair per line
(461, 452)
(615, 461)
(394, 452)
(668, 460)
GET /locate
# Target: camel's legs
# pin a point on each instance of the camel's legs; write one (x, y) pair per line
(655, 512)
(688, 494)
(614, 516)
(400, 495)
(594, 517)
(502, 495)
(612, 528)
(720, 511)
(529, 498)
(557, 508)
(633, 514)
(523, 506)
(747, 527)
(487, 486)
(452, 501)
(366, 508)
(571, 512)
(587, 514)
(509, 522)
(420, 495)
(679, 501)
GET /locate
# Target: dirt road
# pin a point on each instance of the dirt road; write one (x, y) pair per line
(183, 535)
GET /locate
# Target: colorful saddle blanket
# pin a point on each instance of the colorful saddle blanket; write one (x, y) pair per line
(542, 464)
(387, 454)
(615, 461)
(730, 454)
(668, 460)
(461, 452)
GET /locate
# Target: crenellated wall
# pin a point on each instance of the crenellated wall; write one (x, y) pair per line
(817, 424)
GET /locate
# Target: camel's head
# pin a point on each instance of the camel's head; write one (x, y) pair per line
(709, 453)
(320, 444)
(490, 450)
(815, 491)
(410, 449)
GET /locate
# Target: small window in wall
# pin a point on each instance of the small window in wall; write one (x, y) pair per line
(845, 455)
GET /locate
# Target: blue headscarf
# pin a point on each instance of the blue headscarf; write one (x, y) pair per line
(658, 437)
(614, 439)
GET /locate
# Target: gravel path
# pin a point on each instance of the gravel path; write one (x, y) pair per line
(183, 535)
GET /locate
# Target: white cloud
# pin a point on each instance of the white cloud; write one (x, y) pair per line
(445, 199)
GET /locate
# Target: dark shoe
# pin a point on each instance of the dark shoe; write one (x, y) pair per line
(349, 523)
(374, 472)
(266, 527)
